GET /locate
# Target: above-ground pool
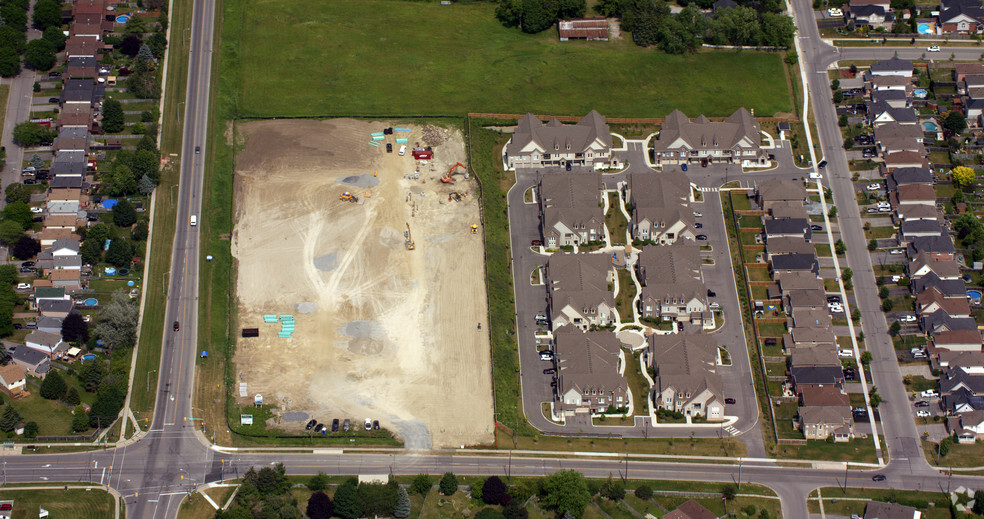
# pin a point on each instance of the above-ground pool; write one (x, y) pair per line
(91, 302)
(123, 272)
(930, 126)
(920, 93)
(110, 271)
(923, 28)
(123, 18)
(975, 296)
(88, 356)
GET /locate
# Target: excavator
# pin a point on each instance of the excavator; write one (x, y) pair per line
(447, 179)
(348, 197)
(409, 243)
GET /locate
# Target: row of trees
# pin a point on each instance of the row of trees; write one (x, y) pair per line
(689, 29)
(534, 16)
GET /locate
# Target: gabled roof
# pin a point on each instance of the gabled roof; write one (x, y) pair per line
(570, 199)
(817, 396)
(685, 363)
(893, 64)
(947, 287)
(30, 357)
(671, 272)
(901, 115)
(774, 190)
(974, 13)
(740, 130)
(806, 357)
(43, 338)
(932, 244)
(944, 268)
(661, 198)
(817, 374)
(826, 414)
(789, 245)
(787, 226)
(579, 280)
(588, 361)
(801, 262)
(797, 280)
(901, 176)
(554, 136)
(951, 305)
(690, 509)
(940, 320)
(956, 337)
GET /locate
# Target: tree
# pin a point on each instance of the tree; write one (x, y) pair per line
(319, 506)
(53, 387)
(10, 232)
(91, 374)
(874, 397)
(955, 122)
(489, 513)
(124, 214)
(791, 57)
(448, 484)
(107, 406)
(47, 13)
(119, 321)
(40, 54)
(114, 120)
(421, 484)
(978, 507)
(894, 328)
(17, 192)
(10, 61)
(12, 38)
(145, 54)
(866, 357)
(494, 491)
(30, 430)
(318, 482)
(847, 274)
(944, 446)
(872, 245)
(729, 492)
(145, 185)
(37, 162)
(835, 84)
(54, 36)
(130, 45)
(32, 134)
(840, 247)
(566, 491)
(643, 492)
(737, 26)
(73, 397)
(515, 510)
(613, 490)
(402, 508)
(537, 16)
(80, 420)
(838, 96)
(157, 43)
(75, 329)
(120, 253)
(887, 305)
(378, 499)
(9, 419)
(18, 212)
(347, 505)
(14, 16)
(832, 213)
(848, 142)
(777, 30)
(26, 248)
(91, 251)
(963, 176)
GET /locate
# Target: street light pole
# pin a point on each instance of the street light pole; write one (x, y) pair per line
(148, 378)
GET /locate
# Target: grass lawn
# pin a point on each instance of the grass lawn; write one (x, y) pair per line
(615, 221)
(615, 510)
(53, 417)
(832, 504)
(637, 384)
(196, 507)
(771, 329)
(758, 274)
(309, 58)
(858, 449)
(626, 293)
(823, 250)
(750, 222)
(881, 232)
(77, 503)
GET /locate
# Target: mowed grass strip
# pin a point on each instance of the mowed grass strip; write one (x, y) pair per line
(76, 502)
(390, 57)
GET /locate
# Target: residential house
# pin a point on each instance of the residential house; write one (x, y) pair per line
(13, 378)
(903, 176)
(71, 279)
(812, 357)
(893, 137)
(893, 98)
(911, 213)
(947, 287)
(594, 29)
(788, 228)
(660, 210)
(923, 264)
(874, 83)
(809, 338)
(61, 221)
(55, 308)
(570, 209)
(820, 422)
(871, 13)
(804, 298)
(961, 390)
(912, 229)
(904, 159)
(48, 237)
(932, 301)
(940, 321)
(936, 246)
(782, 210)
(911, 195)
(944, 360)
(808, 318)
(957, 340)
(672, 287)
(822, 396)
(880, 510)
(589, 372)
(736, 140)
(36, 363)
(784, 245)
(807, 376)
(969, 426)
(690, 509)
(64, 247)
(48, 343)
(881, 113)
(894, 66)
(961, 16)
(537, 145)
(796, 280)
(774, 191)
(50, 324)
(969, 82)
(973, 110)
(577, 290)
(686, 378)
(795, 263)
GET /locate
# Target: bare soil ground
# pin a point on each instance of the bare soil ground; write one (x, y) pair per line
(381, 331)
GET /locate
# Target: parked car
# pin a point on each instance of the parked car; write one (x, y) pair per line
(929, 393)
(833, 299)
(697, 214)
(310, 425)
(389, 148)
(714, 306)
(922, 414)
(845, 353)
(873, 187)
(319, 428)
(27, 264)
(368, 424)
(730, 401)
(896, 251)
(933, 48)
(922, 403)
(26, 270)
(540, 317)
(23, 286)
(54, 74)
(698, 225)
(546, 355)
(54, 100)
(375, 425)
(907, 318)
(683, 167)
(835, 12)
(701, 237)
(536, 243)
(816, 228)
(346, 425)
(334, 425)
(37, 210)
(549, 371)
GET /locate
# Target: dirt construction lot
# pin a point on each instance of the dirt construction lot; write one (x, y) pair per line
(381, 331)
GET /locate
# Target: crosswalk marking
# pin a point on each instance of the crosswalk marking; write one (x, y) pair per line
(709, 189)
(731, 430)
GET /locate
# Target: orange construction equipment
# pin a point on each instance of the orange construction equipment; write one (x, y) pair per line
(348, 197)
(447, 178)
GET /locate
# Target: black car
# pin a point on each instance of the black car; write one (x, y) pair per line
(549, 371)
(878, 477)
(922, 403)
(27, 264)
(310, 424)
(27, 270)
(375, 425)
(698, 225)
(176, 326)
(711, 293)
(816, 228)
(730, 401)
(54, 74)
(334, 425)
(319, 428)
(198, 149)
(702, 237)
(833, 299)
(389, 148)
(822, 164)
(54, 100)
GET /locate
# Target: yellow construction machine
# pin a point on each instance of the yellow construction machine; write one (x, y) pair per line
(348, 197)
(409, 243)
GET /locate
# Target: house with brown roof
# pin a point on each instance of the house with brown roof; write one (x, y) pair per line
(905, 159)
(931, 301)
(923, 264)
(537, 145)
(672, 286)
(570, 209)
(804, 298)
(957, 340)
(690, 509)
(736, 140)
(70, 279)
(782, 210)
(961, 70)
(48, 237)
(660, 207)
(803, 337)
(61, 221)
(774, 191)
(813, 357)
(592, 29)
(686, 378)
(589, 373)
(819, 422)
(821, 396)
(894, 137)
(880, 510)
(577, 290)
(810, 318)
(788, 245)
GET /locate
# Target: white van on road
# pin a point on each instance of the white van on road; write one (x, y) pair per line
(194, 220)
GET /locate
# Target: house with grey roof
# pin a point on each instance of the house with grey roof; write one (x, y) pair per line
(773, 191)
(912, 229)
(50, 324)
(787, 228)
(893, 66)
(893, 98)
(660, 207)
(736, 140)
(902, 176)
(802, 337)
(880, 510)
(570, 209)
(788, 245)
(821, 422)
(939, 246)
(36, 363)
(788, 210)
(577, 290)
(795, 263)
(893, 137)
(803, 298)
(686, 378)
(811, 357)
(537, 145)
(48, 343)
(55, 307)
(590, 369)
(672, 286)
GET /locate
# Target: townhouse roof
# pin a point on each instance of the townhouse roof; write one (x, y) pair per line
(917, 212)
(65, 275)
(67, 169)
(788, 210)
(82, 45)
(572, 200)
(60, 220)
(63, 181)
(956, 337)
(557, 136)
(826, 414)
(806, 297)
(685, 362)
(893, 64)
(65, 243)
(902, 115)
(739, 130)
(662, 198)
(931, 244)
(802, 335)
(973, 80)
(57, 234)
(903, 176)
(66, 262)
(817, 375)
(787, 226)
(822, 396)
(806, 357)
(79, 90)
(905, 159)
(579, 280)
(797, 280)
(810, 318)
(801, 262)
(789, 245)
(910, 227)
(962, 70)
(588, 360)
(64, 194)
(951, 305)
(671, 273)
(916, 193)
(780, 189)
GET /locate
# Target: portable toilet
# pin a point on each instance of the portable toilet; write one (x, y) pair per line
(258, 400)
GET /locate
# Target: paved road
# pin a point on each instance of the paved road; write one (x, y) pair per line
(19, 101)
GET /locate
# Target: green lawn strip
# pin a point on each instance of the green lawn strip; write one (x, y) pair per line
(195, 506)
(771, 329)
(165, 211)
(615, 221)
(823, 250)
(878, 233)
(637, 384)
(917, 383)
(74, 502)
(615, 510)
(859, 449)
(960, 455)
(747, 221)
(533, 72)
(833, 503)
(626, 293)
(759, 274)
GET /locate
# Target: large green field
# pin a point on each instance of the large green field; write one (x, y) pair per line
(393, 57)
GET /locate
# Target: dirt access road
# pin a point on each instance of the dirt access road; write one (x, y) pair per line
(381, 331)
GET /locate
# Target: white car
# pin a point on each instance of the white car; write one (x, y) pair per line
(697, 214)
(897, 251)
(23, 286)
(933, 48)
(845, 353)
(835, 13)
(908, 318)
(896, 278)
(37, 210)
(922, 413)
(873, 187)
(884, 204)
(929, 393)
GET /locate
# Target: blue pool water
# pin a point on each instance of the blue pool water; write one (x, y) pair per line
(924, 28)
(88, 356)
(930, 126)
(109, 203)
(975, 296)
(91, 301)
(920, 93)
(123, 18)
